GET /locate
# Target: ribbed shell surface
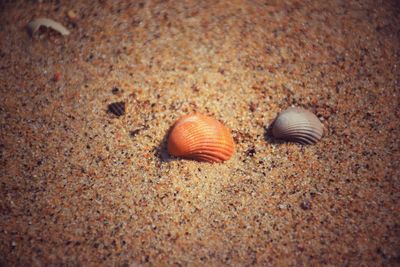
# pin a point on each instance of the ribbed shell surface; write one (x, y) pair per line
(298, 125)
(201, 138)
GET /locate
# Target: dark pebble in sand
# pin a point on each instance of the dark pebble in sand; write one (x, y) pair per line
(251, 152)
(305, 205)
(115, 90)
(133, 133)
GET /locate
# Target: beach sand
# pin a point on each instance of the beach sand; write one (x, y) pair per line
(82, 187)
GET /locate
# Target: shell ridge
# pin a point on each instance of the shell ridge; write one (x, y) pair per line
(301, 132)
(198, 132)
(307, 125)
(211, 150)
(306, 135)
(211, 155)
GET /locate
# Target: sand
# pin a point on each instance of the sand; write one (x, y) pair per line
(83, 187)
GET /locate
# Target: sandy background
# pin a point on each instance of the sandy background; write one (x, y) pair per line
(82, 187)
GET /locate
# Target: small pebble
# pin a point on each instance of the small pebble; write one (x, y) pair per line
(133, 133)
(115, 90)
(305, 205)
(72, 15)
(252, 107)
(57, 76)
(250, 152)
(281, 206)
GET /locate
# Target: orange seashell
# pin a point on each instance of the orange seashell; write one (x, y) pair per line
(201, 138)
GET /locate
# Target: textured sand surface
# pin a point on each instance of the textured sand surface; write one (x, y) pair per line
(81, 187)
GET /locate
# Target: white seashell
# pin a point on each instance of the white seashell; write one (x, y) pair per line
(298, 125)
(34, 26)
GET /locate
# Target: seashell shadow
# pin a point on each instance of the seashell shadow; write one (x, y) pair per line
(162, 149)
(269, 137)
